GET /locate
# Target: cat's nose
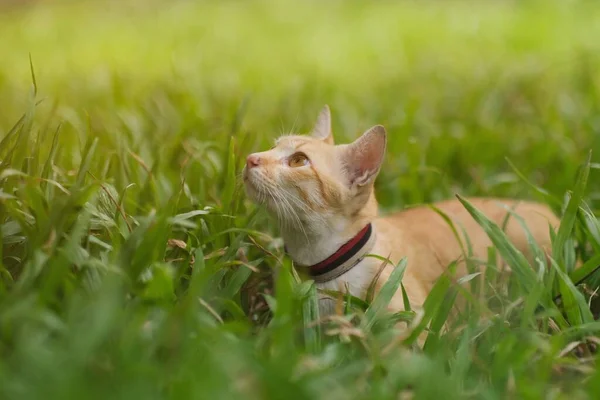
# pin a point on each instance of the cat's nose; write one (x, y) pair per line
(252, 161)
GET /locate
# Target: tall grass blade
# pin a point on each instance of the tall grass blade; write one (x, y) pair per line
(35, 86)
(575, 305)
(570, 216)
(87, 157)
(385, 295)
(50, 160)
(433, 303)
(310, 317)
(515, 259)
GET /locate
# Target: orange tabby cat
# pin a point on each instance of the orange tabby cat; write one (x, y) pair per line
(322, 195)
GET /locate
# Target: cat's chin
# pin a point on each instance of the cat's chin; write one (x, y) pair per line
(259, 198)
(253, 190)
(253, 194)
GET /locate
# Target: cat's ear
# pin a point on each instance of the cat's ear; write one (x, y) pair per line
(363, 157)
(322, 128)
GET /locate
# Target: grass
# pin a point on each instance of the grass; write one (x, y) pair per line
(132, 265)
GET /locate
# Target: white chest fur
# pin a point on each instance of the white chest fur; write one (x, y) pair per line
(356, 281)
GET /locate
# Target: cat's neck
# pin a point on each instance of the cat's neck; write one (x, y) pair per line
(315, 245)
(319, 239)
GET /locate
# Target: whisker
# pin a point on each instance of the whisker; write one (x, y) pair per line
(285, 211)
(294, 123)
(294, 214)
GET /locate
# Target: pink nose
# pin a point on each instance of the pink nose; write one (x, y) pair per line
(252, 161)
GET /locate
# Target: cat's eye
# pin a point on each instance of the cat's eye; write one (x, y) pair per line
(298, 160)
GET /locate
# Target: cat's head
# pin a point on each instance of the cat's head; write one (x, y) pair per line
(306, 178)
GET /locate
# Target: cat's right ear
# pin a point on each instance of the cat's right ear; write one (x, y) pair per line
(364, 156)
(322, 128)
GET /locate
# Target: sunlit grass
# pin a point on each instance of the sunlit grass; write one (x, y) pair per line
(132, 264)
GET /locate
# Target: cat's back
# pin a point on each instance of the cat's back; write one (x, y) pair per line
(494, 208)
(424, 224)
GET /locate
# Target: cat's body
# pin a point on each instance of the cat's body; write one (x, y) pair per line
(323, 197)
(427, 241)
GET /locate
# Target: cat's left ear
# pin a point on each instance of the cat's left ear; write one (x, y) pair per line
(322, 128)
(363, 158)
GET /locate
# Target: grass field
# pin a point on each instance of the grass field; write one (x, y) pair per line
(133, 266)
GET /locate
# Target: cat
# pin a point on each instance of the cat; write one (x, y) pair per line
(322, 195)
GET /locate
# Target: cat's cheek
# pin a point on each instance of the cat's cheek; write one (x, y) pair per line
(273, 176)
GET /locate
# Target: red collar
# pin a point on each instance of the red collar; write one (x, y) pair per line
(343, 254)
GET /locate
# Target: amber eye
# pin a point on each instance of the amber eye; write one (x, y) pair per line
(298, 160)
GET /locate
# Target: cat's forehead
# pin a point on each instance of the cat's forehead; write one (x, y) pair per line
(293, 142)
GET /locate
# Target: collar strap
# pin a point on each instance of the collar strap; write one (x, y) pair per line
(345, 258)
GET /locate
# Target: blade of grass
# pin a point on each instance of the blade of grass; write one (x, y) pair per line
(50, 160)
(568, 220)
(87, 157)
(437, 323)
(515, 259)
(385, 295)
(405, 299)
(433, 303)
(238, 278)
(575, 305)
(544, 193)
(310, 314)
(586, 270)
(354, 301)
(371, 290)
(229, 178)
(35, 86)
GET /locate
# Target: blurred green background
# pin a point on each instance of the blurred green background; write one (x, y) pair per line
(146, 112)
(459, 86)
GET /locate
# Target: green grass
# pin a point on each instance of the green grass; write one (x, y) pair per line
(132, 264)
